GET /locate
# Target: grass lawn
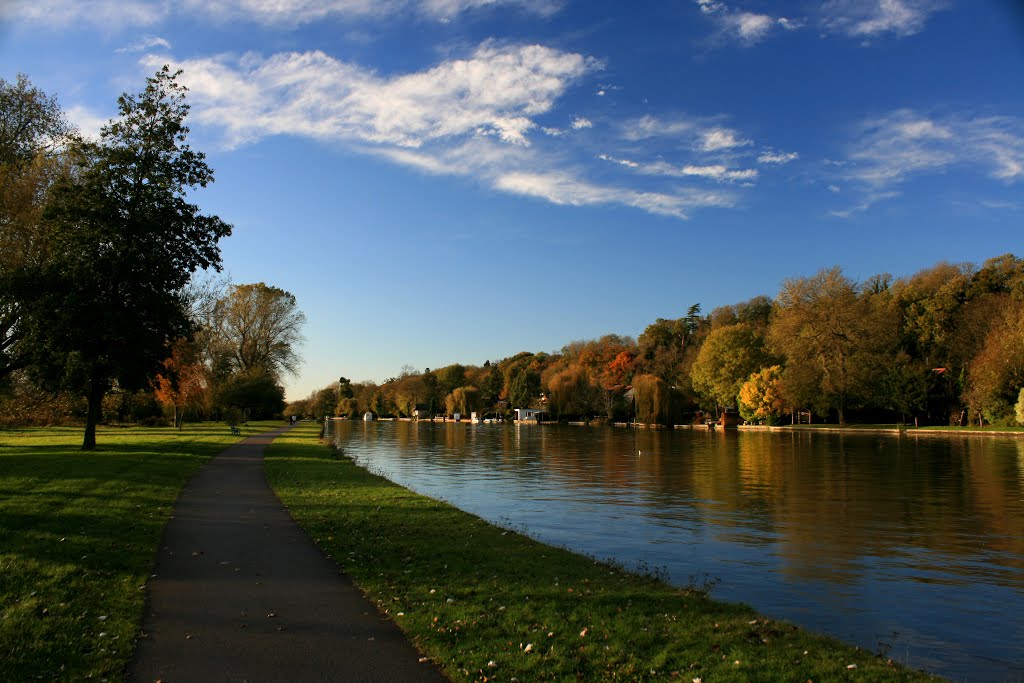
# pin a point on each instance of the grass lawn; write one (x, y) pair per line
(78, 539)
(486, 603)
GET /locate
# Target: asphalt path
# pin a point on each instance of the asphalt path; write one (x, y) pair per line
(241, 593)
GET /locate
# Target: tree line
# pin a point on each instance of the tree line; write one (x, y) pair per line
(942, 346)
(102, 261)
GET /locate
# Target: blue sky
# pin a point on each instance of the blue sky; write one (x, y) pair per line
(444, 181)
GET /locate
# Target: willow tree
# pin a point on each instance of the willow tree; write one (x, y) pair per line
(126, 241)
(653, 399)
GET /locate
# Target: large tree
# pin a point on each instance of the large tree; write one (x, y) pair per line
(832, 337)
(126, 242)
(33, 136)
(258, 327)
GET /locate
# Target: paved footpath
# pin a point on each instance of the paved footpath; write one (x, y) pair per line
(242, 594)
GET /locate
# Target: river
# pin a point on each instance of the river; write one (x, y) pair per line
(908, 546)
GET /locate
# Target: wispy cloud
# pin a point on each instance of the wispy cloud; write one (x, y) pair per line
(777, 158)
(871, 18)
(472, 117)
(579, 123)
(716, 172)
(497, 91)
(863, 19)
(562, 188)
(110, 15)
(717, 139)
(648, 127)
(118, 14)
(903, 144)
(748, 28)
(146, 43)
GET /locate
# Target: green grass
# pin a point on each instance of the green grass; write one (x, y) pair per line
(487, 603)
(78, 539)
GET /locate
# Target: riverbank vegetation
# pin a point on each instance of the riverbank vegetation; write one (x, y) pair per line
(485, 603)
(78, 537)
(944, 346)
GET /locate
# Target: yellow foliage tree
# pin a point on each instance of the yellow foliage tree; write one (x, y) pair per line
(761, 396)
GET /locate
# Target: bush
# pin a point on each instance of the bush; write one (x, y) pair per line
(1020, 407)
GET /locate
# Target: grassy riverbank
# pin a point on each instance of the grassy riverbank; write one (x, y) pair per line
(485, 603)
(78, 538)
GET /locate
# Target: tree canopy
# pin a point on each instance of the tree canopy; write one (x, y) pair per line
(258, 327)
(125, 243)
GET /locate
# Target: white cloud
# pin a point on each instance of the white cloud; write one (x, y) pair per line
(651, 127)
(865, 19)
(111, 15)
(621, 162)
(710, 6)
(716, 172)
(469, 117)
(495, 91)
(716, 139)
(579, 123)
(720, 173)
(86, 121)
(778, 158)
(146, 43)
(747, 27)
(118, 14)
(562, 188)
(871, 18)
(904, 144)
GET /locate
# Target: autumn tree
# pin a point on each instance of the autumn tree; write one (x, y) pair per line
(996, 374)
(182, 382)
(726, 360)
(829, 336)
(125, 244)
(760, 397)
(258, 327)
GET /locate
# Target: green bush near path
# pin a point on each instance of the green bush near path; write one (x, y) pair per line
(79, 532)
(485, 603)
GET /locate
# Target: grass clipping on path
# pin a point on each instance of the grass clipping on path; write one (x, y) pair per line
(78, 538)
(486, 603)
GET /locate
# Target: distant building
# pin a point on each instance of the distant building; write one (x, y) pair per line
(528, 415)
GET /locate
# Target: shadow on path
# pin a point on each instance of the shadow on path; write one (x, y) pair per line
(241, 593)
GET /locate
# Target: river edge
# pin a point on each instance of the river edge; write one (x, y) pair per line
(898, 430)
(460, 588)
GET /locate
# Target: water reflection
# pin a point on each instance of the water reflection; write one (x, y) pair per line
(912, 546)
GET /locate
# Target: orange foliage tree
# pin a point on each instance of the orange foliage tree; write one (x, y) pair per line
(183, 382)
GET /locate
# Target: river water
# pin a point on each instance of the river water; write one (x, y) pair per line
(909, 546)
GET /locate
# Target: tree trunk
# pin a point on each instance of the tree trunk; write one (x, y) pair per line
(97, 388)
